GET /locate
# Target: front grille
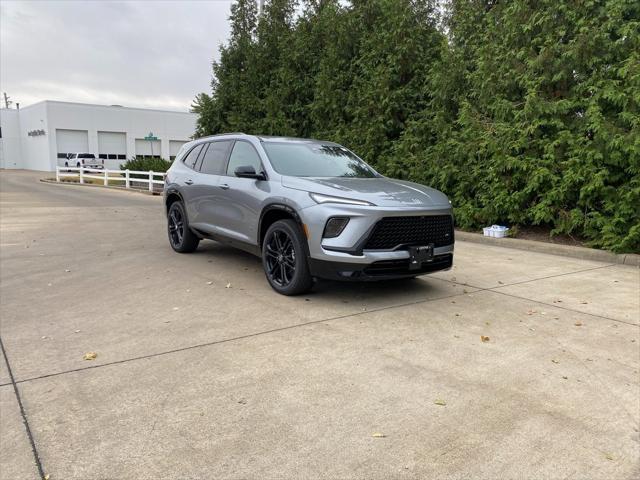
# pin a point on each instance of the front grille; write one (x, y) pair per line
(391, 232)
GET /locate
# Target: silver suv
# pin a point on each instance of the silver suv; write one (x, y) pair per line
(309, 208)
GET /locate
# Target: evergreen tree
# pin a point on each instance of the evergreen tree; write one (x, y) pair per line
(524, 112)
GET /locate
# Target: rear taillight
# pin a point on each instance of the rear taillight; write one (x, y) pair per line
(83, 161)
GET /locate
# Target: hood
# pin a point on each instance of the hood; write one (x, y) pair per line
(381, 191)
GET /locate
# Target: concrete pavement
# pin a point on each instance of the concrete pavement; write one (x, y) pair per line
(196, 380)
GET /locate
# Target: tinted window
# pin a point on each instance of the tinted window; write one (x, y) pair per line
(214, 158)
(191, 158)
(243, 154)
(86, 155)
(316, 160)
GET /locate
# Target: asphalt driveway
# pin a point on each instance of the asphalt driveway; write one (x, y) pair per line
(202, 371)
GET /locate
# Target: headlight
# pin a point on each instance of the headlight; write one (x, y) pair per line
(320, 198)
(334, 227)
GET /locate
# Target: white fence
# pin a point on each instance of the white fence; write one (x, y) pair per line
(110, 176)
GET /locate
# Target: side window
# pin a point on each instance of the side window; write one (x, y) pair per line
(214, 158)
(191, 158)
(243, 154)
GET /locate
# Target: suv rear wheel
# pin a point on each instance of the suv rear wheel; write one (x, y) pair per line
(284, 259)
(181, 238)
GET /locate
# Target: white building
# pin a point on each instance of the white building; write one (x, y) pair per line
(40, 136)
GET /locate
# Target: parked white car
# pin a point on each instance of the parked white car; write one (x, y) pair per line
(88, 160)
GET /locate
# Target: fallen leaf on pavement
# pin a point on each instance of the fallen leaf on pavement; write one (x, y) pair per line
(608, 456)
(378, 435)
(440, 402)
(584, 302)
(501, 283)
(578, 324)
(554, 360)
(228, 285)
(90, 356)
(531, 312)
(209, 283)
(484, 339)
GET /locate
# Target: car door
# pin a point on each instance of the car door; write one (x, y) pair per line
(241, 198)
(207, 192)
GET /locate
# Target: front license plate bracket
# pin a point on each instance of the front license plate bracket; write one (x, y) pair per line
(418, 255)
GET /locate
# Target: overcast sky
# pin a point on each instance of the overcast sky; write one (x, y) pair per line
(154, 54)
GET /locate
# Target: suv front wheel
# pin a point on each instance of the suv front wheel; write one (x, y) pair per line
(284, 259)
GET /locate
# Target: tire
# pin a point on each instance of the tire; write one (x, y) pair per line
(181, 238)
(284, 259)
(78, 165)
(66, 164)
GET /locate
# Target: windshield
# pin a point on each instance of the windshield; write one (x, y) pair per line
(315, 160)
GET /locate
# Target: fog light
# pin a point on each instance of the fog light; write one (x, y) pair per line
(335, 226)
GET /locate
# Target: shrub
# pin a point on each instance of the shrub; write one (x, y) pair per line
(145, 164)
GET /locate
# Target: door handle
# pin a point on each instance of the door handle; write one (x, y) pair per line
(224, 186)
(189, 182)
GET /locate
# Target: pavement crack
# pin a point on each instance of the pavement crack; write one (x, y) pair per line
(554, 305)
(23, 413)
(238, 338)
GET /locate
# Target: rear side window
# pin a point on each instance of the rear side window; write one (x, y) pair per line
(214, 158)
(191, 158)
(243, 155)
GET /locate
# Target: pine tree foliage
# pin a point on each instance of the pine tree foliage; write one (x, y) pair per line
(524, 112)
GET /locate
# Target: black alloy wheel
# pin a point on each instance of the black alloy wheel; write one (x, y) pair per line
(281, 258)
(284, 258)
(181, 238)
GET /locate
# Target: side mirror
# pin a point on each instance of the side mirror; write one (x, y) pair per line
(247, 171)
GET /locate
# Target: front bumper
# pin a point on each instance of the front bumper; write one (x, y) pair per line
(376, 271)
(349, 247)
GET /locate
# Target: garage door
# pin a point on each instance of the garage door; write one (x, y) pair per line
(146, 148)
(174, 148)
(72, 141)
(112, 145)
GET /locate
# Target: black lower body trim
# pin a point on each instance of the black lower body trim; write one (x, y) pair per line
(381, 270)
(232, 242)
